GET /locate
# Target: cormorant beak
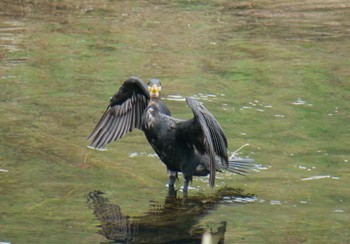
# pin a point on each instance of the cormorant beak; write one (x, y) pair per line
(154, 90)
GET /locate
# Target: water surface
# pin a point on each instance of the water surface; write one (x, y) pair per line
(274, 73)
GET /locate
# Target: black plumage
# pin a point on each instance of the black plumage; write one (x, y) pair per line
(195, 147)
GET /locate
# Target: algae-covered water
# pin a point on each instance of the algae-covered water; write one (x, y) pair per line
(275, 74)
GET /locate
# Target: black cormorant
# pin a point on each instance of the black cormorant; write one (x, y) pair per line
(195, 147)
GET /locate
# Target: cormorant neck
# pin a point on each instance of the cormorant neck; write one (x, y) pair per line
(155, 99)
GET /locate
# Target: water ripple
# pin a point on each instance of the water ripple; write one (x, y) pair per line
(317, 177)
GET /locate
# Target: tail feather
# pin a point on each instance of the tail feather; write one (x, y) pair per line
(241, 166)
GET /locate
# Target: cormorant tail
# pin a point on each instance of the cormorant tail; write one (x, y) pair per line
(241, 166)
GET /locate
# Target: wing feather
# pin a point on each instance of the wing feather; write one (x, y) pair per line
(214, 140)
(123, 114)
(101, 133)
(114, 129)
(101, 138)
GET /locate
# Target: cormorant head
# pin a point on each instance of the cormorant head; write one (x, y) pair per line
(154, 88)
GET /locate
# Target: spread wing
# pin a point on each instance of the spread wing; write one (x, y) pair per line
(214, 140)
(123, 114)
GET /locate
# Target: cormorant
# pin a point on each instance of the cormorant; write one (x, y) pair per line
(195, 147)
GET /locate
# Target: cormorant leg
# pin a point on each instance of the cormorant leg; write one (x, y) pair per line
(185, 188)
(172, 192)
(186, 183)
(172, 178)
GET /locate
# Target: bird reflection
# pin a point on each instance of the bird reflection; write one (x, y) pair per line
(173, 221)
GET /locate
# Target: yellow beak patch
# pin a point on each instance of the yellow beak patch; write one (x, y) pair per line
(154, 89)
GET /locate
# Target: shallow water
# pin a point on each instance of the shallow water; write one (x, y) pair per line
(274, 73)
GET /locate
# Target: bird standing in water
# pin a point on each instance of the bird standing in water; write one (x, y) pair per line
(195, 147)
